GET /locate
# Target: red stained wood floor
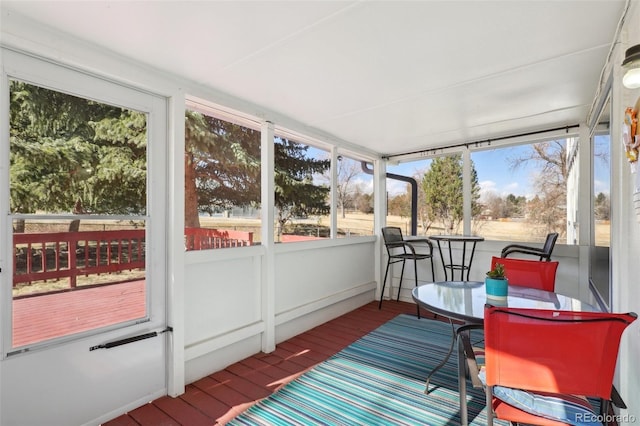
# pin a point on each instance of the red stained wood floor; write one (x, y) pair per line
(217, 398)
(46, 316)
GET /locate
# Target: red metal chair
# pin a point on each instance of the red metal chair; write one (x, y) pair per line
(536, 351)
(529, 273)
(521, 272)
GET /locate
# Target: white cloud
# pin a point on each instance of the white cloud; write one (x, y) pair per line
(396, 187)
(365, 184)
(487, 187)
(601, 186)
(512, 188)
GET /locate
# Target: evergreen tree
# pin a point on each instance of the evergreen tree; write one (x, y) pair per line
(442, 187)
(602, 207)
(222, 166)
(222, 170)
(296, 193)
(68, 153)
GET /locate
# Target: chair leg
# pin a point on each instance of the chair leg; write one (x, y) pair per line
(433, 271)
(415, 272)
(462, 383)
(400, 283)
(604, 407)
(384, 283)
(489, 406)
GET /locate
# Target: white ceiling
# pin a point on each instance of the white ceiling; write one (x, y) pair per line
(391, 76)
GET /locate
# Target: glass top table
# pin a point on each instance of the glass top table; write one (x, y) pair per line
(465, 300)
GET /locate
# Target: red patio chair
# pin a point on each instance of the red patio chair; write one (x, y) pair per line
(531, 363)
(521, 272)
(529, 273)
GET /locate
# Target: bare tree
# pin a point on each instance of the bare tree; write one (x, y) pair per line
(551, 155)
(548, 208)
(348, 170)
(426, 215)
(495, 204)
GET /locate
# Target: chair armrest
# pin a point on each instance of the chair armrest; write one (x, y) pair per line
(516, 248)
(420, 241)
(401, 244)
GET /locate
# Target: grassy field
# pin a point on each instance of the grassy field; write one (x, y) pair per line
(362, 224)
(354, 223)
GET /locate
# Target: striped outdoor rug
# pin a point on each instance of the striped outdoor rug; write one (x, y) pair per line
(378, 380)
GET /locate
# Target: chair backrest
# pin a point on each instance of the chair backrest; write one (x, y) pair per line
(392, 234)
(553, 351)
(543, 253)
(393, 239)
(549, 244)
(529, 273)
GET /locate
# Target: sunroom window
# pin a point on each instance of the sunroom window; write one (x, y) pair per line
(354, 197)
(518, 193)
(222, 179)
(523, 191)
(302, 194)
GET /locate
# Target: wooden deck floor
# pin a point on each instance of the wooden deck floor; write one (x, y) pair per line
(217, 398)
(46, 316)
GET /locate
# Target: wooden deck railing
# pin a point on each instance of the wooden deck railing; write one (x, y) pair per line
(207, 238)
(59, 255)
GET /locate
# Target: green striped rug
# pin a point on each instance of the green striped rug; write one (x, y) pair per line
(378, 380)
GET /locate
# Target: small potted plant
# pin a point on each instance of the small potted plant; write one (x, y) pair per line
(496, 282)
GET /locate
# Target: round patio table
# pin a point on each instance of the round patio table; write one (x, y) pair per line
(465, 301)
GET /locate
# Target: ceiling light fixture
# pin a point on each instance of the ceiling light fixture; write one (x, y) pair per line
(631, 66)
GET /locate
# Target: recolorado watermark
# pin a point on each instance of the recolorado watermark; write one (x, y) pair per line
(606, 418)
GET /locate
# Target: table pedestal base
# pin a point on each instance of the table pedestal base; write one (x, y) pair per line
(446, 358)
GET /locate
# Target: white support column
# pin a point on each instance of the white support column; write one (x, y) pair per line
(379, 218)
(334, 192)
(466, 191)
(584, 180)
(585, 212)
(5, 226)
(268, 282)
(175, 245)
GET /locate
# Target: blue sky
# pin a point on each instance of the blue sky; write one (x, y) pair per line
(494, 172)
(495, 175)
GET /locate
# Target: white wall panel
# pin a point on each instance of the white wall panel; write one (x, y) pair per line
(315, 282)
(220, 297)
(311, 273)
(69, 396)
